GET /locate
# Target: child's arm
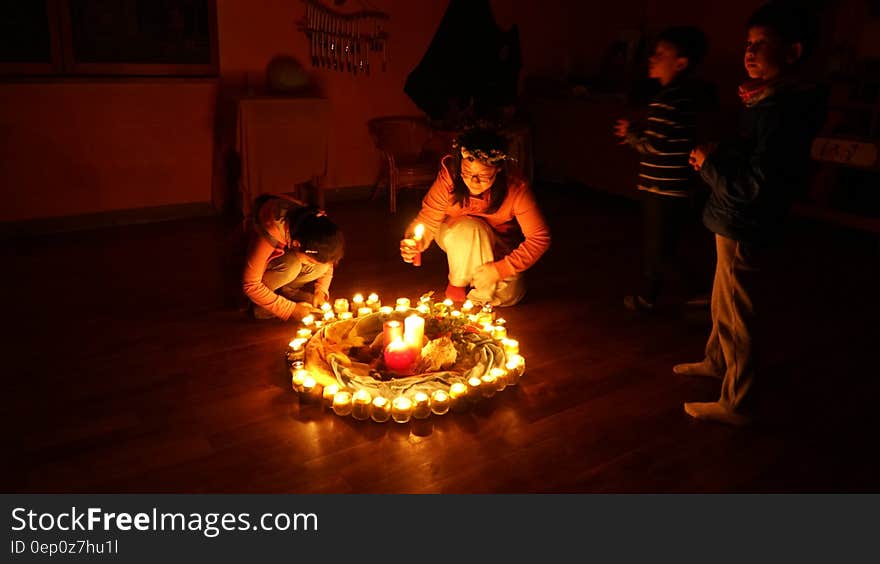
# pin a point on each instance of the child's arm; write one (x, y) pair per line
(669, 128)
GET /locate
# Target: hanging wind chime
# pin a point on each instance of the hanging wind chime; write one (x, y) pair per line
(345, 42)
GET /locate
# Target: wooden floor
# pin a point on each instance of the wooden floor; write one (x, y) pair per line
(129, 368)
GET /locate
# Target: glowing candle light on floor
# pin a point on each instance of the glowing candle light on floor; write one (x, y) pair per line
(440, 402)
(325, 307)
(308, 320)
(329, 394)
(364, 311)
(500, 375)
(421, 403)
(467, 306)
(402, 304)
(457, 394)
(308, 387)
(373, 302)
(414, 331)
(511, 346)
(360, 405)
(386, 310)
(340, 305)
(401, 409)
(298, 379)
(474, 387)
(303, 333)
(516, 366)
(381, 410)
(329, 316)
(345, 315)
(357, 302)
(342, 403)
(499, 332)
(489, 385)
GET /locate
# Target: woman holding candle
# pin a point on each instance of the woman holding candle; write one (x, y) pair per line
(291, 245)
(485, 217)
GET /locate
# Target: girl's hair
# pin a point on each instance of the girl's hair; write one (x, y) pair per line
(319, 237)
(489, 147)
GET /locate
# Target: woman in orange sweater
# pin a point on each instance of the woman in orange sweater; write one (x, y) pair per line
(485, 217)
(291, 245)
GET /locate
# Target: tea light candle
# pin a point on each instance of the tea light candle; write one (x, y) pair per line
(308, 387)
(500, 375)
(455, 314)
(298, 379)
(296, 349)
(511, 346)
(340, 305)
(467, 306)
(499, 332)
(345, 315)
(319, 323)
(457, 394)
(308, 320)
(423, 309)
(402, 304)
(364, 311)
(440, 402)
(304, 333)
(373, 302)
(414, 331)
(392, 330)
(342, 403)
(360, 405)
(329, 394)
(421, 403)
(381, 410)
(325, 307)
(357, 301)
(448, 303)
(516, 366)
(401, 409)
(329, 316)
(386, 310)
(489, 385)
(474, 386)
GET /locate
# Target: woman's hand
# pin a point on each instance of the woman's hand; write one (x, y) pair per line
(486, 275)
(409, 248)
(320, 298)
(301, 310)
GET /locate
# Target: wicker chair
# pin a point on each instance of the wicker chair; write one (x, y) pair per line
(406, 161)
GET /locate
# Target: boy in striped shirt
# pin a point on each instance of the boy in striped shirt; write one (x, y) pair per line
(664, 141)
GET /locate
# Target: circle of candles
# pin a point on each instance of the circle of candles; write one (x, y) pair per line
(345, 315)
(298, 378)
(516, 366)
(360, 405)
(392, 330)
(386, 310)
(421, 403)
(364, 311)
(403, 303)
(489, 385)
(511, 346)
(500, 375)
(458, 392)
(340, 305)
(342, 403)
(329, 393)
(308, 320)
(499, 332)
(303, 333)
(440, 402)
(401, 409)
(381, 410)
(474, 385)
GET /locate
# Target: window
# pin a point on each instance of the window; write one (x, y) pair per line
(109, 37)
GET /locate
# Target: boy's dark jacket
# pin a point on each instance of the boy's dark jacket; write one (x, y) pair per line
(755, 180)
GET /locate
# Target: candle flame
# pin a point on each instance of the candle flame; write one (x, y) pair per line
(418, 232)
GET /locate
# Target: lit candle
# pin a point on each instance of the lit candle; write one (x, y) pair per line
(516, 366)
(373, 302)
(357, 301)
(423, 309)
(304, 333)
(448, 303)
(391, 331)
(381, 410)
(399, 357)
(329, 316)
(455, 313)
(342, 403)
(467, 306)
(298, 378)
(364, 311)
(500, 321)
(439, 402)
(484, 318)
(414, 331)
(418, 233)
(457, 395)
(402, 304)
(511, 346)
(360, 405)
(340, 305)
(499, 332)
(421, 405)
(474, 386)
(308, 387)
(325, 307)
(308, 320)
(319, 323)
(386, 310)
(296, 349)
(489, 386)
(500, 377)
(329, 394)
(401, 409)
(345, 315)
